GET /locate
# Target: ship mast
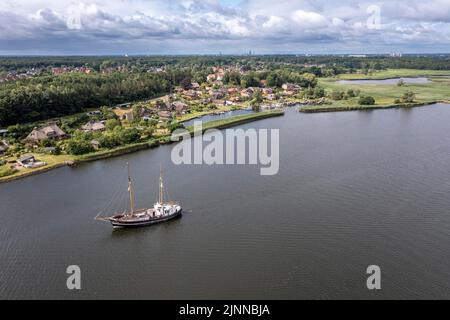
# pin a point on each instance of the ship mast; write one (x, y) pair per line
(130, 190)
(161, 186)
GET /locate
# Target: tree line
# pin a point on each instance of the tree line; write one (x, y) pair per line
(53, 96)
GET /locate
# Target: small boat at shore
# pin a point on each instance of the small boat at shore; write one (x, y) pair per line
(162, 210)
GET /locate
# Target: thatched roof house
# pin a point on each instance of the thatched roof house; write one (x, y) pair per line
(93, 126)
(51, 131)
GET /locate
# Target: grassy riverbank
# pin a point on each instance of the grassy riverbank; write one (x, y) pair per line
(56, 161)
(334, 108)
(238, 120)
(199, 114)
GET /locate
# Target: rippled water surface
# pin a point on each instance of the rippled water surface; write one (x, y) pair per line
(354, 189)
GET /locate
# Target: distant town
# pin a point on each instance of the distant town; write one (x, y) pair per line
(56, 111)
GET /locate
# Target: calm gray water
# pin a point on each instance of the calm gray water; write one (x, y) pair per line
(354, 189)
(387, 81)
(212, 117)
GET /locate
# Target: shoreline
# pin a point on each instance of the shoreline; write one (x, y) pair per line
(238, 120)
(322, 109)
(153, 143)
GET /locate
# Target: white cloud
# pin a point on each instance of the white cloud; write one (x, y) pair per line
(309, 19)
(195, 25)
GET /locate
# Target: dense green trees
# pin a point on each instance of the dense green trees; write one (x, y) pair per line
(250, 80)
(52, 96)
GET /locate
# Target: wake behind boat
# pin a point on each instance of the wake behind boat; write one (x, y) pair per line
(161, 211)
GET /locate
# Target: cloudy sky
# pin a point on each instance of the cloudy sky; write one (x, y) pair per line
(226, 26)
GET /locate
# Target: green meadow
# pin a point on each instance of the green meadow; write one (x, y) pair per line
(438, 90)
(394, 73)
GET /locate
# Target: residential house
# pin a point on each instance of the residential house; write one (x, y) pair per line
(267, 91)
(94, 113)
(232, 91)
(52, 131)
(95, 144)
(50, 150)
(235, 99)
(180, 107)
(123, 105)
(94, 126)
(26, 161)
(124, 114)
(220, 76)
(247, 93)
(3, 147)
(211, 77)
(191, 94)
(271, 97)
(29, 161)
(165, 115)
(162, 105)
(216, 95)
(290, 87)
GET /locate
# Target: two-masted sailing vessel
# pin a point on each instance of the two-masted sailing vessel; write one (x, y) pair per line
(162, 210)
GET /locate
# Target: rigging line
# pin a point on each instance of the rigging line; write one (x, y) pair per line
(114, 196)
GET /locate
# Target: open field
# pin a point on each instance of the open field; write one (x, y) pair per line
(385, 95)
(394, 73)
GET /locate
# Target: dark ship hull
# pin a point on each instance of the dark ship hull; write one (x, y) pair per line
(123, 221)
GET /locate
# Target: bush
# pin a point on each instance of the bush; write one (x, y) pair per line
(408, 97)
(366, 101)
(108, 141)
(126, 136)
(112, 123)
(337, 95)
(19, 132)
(79, 147)
(7, 171)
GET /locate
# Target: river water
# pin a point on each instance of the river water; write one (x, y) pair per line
(354, 189)
(224, 115)
(387, 81)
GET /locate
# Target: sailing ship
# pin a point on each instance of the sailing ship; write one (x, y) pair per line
(162, 210)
